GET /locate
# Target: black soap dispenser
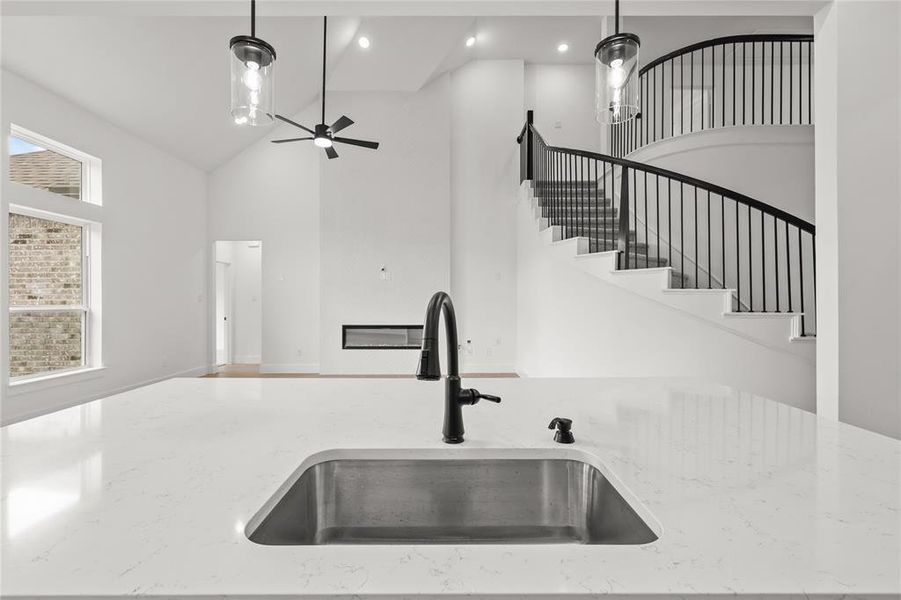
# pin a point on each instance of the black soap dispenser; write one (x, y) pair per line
(563, 434)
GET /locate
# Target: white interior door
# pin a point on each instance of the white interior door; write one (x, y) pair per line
(223, 329)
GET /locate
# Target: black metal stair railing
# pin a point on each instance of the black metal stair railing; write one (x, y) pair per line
(760, 79)
(712, 237)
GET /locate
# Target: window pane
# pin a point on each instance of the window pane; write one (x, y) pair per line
(44, 341)
(45, 262)
(44, 169)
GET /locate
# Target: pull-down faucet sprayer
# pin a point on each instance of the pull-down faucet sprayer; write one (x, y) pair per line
(430, 366)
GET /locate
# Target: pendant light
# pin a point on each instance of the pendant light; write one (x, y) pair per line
(616, 76)
(252, 77)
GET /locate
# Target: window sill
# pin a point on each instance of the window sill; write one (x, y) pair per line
(42, 382)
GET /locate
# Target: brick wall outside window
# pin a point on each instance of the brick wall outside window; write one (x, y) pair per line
(45, 268)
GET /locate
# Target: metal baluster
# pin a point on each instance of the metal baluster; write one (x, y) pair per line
(723, 235)
(682, 94)
(702, 89)
(750, 266)
(788, 269)
(672, 93)
(691, 91)
(669, 220)
(734, 50)
(737, 259)
(657, 194)
(763, 258)
(753, 83)
(682, 228)
(781, 78)
(776, 262)
(801, 278)
(623, 234)
(791, 84)
(772, 72)
(723, 93)
(744, 79)
(697, 254)
(709, 265)
(647, 240)
(809, 83)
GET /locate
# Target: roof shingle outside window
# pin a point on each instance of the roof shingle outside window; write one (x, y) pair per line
(47, 170)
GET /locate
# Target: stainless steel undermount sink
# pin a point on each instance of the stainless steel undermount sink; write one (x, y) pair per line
(448, 501)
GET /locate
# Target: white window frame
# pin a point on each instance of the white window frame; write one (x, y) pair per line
(85, 213)
(91, 167)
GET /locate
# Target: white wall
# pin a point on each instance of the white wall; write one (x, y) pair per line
(386, 208)
(270, 193)
(154, 254)
(486, 114)
(432, 205)
(571, 324)
(858, 161)
(245, 262)
(562, 97)
(735, 158)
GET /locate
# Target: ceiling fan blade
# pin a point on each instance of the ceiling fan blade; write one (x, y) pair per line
(330, 152)
(340, 124)
(291, 140)
(363, 143)
(290, 122)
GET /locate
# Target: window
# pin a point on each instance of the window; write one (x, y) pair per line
(38, 167)
(53, 272)
(381, 337)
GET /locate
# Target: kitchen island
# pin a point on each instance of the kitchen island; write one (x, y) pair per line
(150, 492)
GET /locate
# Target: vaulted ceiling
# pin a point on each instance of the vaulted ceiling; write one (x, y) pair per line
(165, 78)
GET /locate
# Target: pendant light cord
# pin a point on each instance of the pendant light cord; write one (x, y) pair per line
(253, 18)
(616, 17)
(324, 34)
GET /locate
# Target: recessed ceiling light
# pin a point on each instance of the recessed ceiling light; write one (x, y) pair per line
(363, 41)
(563, 47)
(471, 41)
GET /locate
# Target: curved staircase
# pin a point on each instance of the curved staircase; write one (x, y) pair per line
(717, 255)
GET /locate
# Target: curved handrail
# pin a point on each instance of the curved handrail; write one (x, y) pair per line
(712, 236)
(766, 79)
(686, 179)
(729, 39)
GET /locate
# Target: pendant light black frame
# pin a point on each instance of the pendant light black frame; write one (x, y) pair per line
(263, 54)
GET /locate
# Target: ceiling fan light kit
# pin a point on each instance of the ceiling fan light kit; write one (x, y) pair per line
(616, 76)
(323, 135)
(252, 65)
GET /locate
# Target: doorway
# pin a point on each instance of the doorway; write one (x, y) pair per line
(238, 306)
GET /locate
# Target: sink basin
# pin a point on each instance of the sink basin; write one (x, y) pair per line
(449, 501)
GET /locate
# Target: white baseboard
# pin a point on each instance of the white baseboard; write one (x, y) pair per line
(193, 372)
(289, 368)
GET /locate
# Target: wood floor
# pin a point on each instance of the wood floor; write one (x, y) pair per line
(253, 371)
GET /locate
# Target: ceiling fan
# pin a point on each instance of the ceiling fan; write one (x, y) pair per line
(324, 135)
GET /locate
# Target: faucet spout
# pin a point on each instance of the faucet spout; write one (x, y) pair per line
(429, 361)
(429, 368)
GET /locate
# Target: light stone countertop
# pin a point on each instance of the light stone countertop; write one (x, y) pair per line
(148, 492)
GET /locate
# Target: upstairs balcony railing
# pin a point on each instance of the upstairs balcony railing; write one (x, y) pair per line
(712, 237)
(764, 79)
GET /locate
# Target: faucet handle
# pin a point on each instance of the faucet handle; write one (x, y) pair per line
(472, 396)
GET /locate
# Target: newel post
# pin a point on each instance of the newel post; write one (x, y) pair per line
(530, 114)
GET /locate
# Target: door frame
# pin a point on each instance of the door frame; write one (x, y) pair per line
(224, 275)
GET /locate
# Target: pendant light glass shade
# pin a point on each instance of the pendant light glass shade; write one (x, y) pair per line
(252, 81)
(616, 78)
